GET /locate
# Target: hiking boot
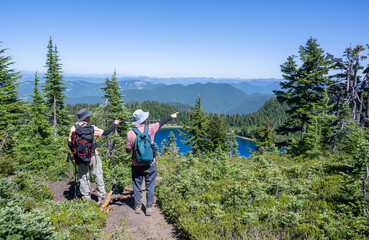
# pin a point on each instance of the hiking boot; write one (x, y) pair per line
(148, 211)
(100, 200)
(88, 198)
(138, 209)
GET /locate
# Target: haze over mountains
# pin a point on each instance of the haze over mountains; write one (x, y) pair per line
(217, 95)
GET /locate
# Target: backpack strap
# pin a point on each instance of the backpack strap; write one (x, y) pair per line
(146, 131)
(136, 131)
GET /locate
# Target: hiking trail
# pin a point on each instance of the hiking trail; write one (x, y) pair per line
(139, 226)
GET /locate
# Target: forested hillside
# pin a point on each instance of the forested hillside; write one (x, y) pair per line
(315, 189)
(220, 98)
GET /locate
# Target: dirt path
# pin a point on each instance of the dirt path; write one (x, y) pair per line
(139, 226)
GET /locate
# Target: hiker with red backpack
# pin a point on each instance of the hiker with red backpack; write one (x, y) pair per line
(83, 146)
(141, 140)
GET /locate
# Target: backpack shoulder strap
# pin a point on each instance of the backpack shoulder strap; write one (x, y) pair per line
(146, 129)
(136, 131)
(147, 132)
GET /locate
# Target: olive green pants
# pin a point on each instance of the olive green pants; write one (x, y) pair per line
(83, 170)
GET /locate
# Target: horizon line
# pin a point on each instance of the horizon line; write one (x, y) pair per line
(99, 75)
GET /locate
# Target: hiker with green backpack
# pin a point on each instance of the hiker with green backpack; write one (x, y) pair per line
(83, 146)
(140, 140)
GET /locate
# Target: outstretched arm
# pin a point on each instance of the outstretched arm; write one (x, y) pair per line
(112, 128)
(166, 119)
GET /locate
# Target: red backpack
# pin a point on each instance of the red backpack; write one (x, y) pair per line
(83, 143)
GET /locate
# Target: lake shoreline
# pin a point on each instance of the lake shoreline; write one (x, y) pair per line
(171, 126)
(166, 126)
(245, 138)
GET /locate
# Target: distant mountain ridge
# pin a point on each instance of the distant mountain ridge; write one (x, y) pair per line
(99, 78)
(236, 97)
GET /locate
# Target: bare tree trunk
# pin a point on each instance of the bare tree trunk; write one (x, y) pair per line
(367, 106)
(3, 143)
(360, 107)
(348, 76)
(366, 90)
(304, 124)
(356, 91)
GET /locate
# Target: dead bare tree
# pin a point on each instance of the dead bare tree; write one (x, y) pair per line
(3, 143)
(356, 89)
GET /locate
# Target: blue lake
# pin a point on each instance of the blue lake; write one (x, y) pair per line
(243, 145)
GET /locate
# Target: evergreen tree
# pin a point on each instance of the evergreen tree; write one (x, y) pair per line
(114, 108)
(10, 111)
(233, 145)
(196, 135)
(164, 146)
(34, 138)
(38, 124)
(169, 147)
(9, 102)
(347, 134)
(172, 145)
(265, 137)
(304, 85)
(53, 89)
(217, 133)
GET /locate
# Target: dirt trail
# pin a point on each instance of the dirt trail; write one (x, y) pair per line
(139, 226)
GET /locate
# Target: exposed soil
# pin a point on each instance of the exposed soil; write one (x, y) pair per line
(139, 226)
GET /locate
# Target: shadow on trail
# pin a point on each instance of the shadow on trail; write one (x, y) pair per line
(74, 193)
(70, 193)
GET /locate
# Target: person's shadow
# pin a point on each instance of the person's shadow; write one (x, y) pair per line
(73, 191)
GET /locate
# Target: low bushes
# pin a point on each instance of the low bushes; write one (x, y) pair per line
(268, 196)
(28, 212)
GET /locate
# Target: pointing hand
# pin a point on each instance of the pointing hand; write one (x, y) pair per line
(174, 115)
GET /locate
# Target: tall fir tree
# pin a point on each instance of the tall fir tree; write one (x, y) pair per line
(217, 132)
(304, 85)
(53, 89)
(10, 109)
(38, 109)
(172, 148)
(196, 134)
(265, 138)
(232, 145)
(9, 103)
(114, 108)
(164, 147)
(34, 138)
(317, 140)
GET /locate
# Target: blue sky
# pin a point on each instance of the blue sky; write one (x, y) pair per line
(177, 38)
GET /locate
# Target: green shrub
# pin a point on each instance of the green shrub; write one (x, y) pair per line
(23, 191)
(81, 219)
(266, 196)
(7, 166)
(17, 224)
